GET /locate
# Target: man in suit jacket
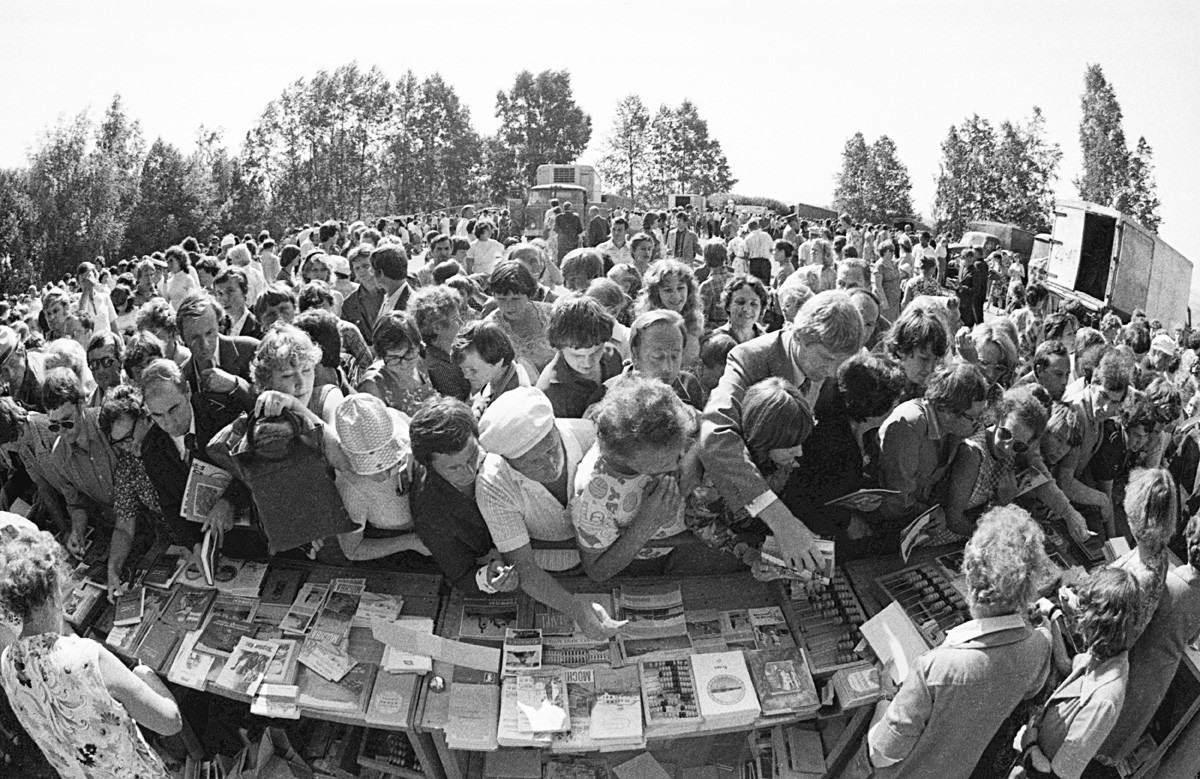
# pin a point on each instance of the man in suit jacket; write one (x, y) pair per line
(167, 454)
(682, 243)
(828, 331)
(218, 372)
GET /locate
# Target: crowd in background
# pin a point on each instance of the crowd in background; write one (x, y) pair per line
(446, 393)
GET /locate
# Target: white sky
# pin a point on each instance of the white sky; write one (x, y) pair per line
(782, 85)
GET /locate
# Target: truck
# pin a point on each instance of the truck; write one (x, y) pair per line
(697, 202)
(1105, 260)
(579, 185)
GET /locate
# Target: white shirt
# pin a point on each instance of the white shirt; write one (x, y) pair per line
(256, 283)
(184, 454)
(239, 323)
(389, 302)
(517, 509)
(759, 245)
(483, 255)
(618, 254)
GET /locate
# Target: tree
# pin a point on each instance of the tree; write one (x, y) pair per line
(968, 185)
(1137, 198)
(446, 148)
(19, 264)
(626, 153)
(1105, 156)
(1027, 166)
(174, 200)
(891, 188)
(851, 193)
(540, 123)
(60, 191)
(120, 149)
(684, 158)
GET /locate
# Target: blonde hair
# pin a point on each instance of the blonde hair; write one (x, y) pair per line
(1003, 561)
(283, 346)
(1151, 504)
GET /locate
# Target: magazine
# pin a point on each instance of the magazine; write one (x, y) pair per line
(244, 669)
(522, 651)
(852, 500)
(657, 625)
(304, 609)
(205, 485)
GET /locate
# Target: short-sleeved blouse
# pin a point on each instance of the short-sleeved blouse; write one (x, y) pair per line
(531, 348)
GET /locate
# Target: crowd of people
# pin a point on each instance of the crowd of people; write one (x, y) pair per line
(442, 394)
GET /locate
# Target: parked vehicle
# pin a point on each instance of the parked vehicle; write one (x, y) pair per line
(579, 185)
(697, 202)
(1102, 258)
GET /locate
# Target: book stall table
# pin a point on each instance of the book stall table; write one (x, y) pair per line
(687, 681)
(276, 636)
(929, 589)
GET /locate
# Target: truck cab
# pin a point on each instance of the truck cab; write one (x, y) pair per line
(530, 216)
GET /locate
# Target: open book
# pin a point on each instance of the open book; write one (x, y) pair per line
(205, 485)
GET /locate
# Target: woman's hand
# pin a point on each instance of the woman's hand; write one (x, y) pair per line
(661, 504)
(272, 403)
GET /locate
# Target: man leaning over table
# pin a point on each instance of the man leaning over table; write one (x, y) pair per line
(828, 330)
(523, 490)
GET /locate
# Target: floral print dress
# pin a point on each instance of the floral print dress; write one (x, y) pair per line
(54, 685)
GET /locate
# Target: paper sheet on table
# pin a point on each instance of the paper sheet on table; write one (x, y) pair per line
(894, 638)
(481, 658)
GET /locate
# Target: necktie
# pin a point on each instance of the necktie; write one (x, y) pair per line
(189, 443)
(678, 244)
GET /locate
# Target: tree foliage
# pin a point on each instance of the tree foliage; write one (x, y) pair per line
(626, 154)
(683, 156)
(1113, 175)
(540, 123)
(873, 183)
(1004, 176)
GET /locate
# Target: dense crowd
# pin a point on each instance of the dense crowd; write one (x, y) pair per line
(442, 393)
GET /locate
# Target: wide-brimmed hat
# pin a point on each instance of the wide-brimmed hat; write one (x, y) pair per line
(370, 433)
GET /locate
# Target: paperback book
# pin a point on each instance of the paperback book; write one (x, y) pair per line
(191, 667)
(130, 607)
(351, 694)
(522, 651)
(770, 628)
(304, 609)
(724, 691)
(282, 669)
(657, 627)
(337, 614)
(277, 701)
(487, 619)
(616, 717)
(783, 682)
(581, 695)
(188, 607)
(222, 634)
(158, 645)
(542, 702)
(247, 664)
(508, 730)
(375, 605)
(397, 660)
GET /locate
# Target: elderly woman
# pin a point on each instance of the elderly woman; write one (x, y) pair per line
(485, 354)
(669, 284)
(525, 322)
(438, 314)
(984, 472)
(580, 329)
(398, 376)
(744, 298)
(1151, 506)
(955, 697)
(627, 488)
(105, 354)
(77, 701)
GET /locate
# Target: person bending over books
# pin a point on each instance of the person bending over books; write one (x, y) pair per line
(77, 701)
(627, 488)
(956, 696)
(445, 448)
(1080, 714)
(523, 490)
(776, 421)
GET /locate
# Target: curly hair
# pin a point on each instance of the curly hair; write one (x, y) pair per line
(31, 570)
(1192, 534)
(1003, 561)
(122, 400)
(143, 347)
(314, 294)
(638, 413)
(1151, 504)
(283, 346)
(1166, 399)
(1026, 403)
(624, 273)
(434, 307)
(774, 416)
(156, 314)
(1108, 601)
(657, 275)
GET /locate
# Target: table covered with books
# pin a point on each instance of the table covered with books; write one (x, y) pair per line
(291, 638)
(707, 676)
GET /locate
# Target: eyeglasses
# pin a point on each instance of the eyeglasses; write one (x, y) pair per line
(65, 424)
(103, 363)
(1004, 434)
(974, 422)
(400, 359)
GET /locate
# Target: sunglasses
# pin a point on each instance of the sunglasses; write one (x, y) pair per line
(1004, 434)
(103, 363)
(66, 424)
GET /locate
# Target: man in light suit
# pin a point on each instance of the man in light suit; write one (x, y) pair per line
(828, 331)
(682, 243)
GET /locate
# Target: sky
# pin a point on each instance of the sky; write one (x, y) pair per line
(782, 85)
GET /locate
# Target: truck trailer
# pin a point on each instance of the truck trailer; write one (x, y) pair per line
(1104, 259)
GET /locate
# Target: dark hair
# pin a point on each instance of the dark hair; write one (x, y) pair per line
(786, 247)
(739, 280)
(715, 254)
(327, 231)
(774, 416)
(715, 348)
(459, 244)
(143, 347)
(1114, 371)
(322, 328)
(444, 271)
(1136, 335)
(510, 277)
(870, 386)
(210, 266)
(391, 261)
(62, 387)
(314, 294)
(1108, 610)
(579, 323)
(582, 262)
(1166, 399)
(190, 244)
(275, 294)
(290, 254)
(231, 273)
(180, 256)
(441, 425)
(1028, 406)
(1045, 351)
(122, 400)
(396, 330)
(486, 339)
(156, 314)
(1055, 325)
(917, 328)
(1035, 294)
(957, 387)
(12, 416)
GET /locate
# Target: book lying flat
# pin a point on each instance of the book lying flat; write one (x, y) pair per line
(723, 688)
(854, 498)
(783, 682)
(244, 670)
